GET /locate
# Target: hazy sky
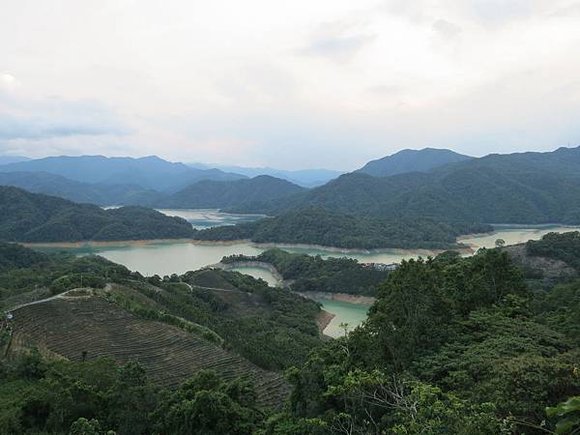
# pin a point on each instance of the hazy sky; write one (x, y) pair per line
(302, 83)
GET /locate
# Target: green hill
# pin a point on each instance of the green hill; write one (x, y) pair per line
(405, 161)
(528, 188)
(227, 194)
(316, 225)
(83, 332)
(30, 217)
(422, 209)
(77, 191)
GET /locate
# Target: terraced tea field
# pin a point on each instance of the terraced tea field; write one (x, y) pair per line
(72, 326)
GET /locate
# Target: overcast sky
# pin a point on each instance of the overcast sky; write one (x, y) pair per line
(290, 84)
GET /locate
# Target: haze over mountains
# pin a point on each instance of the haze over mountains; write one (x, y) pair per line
(147, 172)
(152, 181)
(302, 177)
(148, 181)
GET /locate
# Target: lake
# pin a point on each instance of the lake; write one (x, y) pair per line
(344, 312)
(513, 234)
(258, 272)
(208, 218)
(168, 257)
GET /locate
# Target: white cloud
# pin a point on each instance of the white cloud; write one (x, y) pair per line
(325, 83)
(446, 29)
(8, 82)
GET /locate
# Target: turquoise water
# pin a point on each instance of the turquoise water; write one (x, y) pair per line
(165, 258)
(514, 235)
(258, 272)
(345, 312)
(207, 218)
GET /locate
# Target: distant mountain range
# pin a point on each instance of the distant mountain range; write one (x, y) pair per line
(4, 160)
(96, 193)
(150, 173)
(418, 198)
(526, 188)
(405, 161)
(302, 177)
(411, 209)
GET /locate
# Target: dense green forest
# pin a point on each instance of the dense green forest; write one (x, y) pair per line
(523, 188)
(315, 225)
(227, 194)
(426, 210)
(405, 161)
(315, 274)
(564, 247)
(95, 397)
(452, 345)
(30, 217)
(77, 191)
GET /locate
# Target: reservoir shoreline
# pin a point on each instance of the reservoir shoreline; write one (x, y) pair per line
(342, 297)
(332, 249)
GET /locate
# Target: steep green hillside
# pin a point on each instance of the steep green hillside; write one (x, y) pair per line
(228, 194)
(306, 273)
(452, 345)
(271, 327)
(405, 161)
(523, 188)
(564, 247)
(97, 193)
(30, 217)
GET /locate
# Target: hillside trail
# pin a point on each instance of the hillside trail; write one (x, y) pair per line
(211, 288)
(62, 295)
(107, 288)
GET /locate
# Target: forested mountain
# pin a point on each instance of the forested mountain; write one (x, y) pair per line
(147, 172)
(30, 217)
(227, 194)
(96, 193)
(315, 225)
(419, 209)
(302, 177)
(406, 161)
(526, 188)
